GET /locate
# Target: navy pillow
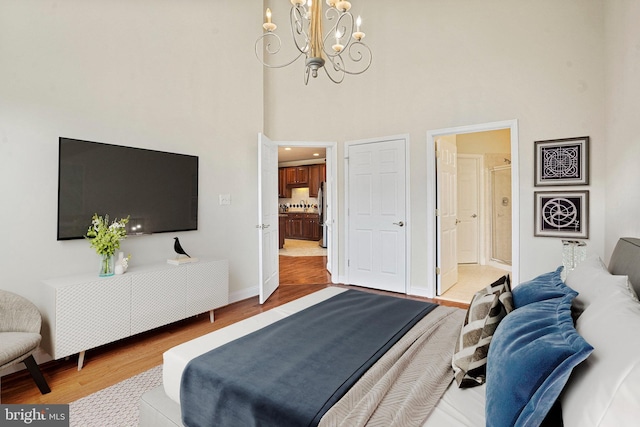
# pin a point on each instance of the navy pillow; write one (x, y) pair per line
(532, 354)
(546, 286)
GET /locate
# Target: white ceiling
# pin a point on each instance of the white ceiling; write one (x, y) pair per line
(300, 153)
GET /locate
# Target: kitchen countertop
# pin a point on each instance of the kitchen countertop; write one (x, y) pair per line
(300, 210)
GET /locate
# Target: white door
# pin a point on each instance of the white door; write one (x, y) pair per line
(446, 201)
(267, 217)
(376, 202)
(468, 209)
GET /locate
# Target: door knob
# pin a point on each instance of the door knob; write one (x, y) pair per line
(474, 216)
(399, 224)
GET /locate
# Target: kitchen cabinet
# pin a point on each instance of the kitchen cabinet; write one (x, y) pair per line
(300, 176)
(283, 190)
(303, 226)
(297, 176)
(317, 174)
(311, 228)
(294, 226)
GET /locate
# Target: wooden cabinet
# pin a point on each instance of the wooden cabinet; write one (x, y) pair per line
(294, 226)
(317, 174)
(297, 176)
(301, 176)
(311, 228)
(303, 226)
(283, 190)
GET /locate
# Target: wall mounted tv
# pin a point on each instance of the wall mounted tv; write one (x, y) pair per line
(158, 190)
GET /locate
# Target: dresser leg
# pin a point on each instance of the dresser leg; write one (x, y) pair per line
(81, 359)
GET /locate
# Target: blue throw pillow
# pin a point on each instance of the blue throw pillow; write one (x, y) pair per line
(532, 354)
(543, 287)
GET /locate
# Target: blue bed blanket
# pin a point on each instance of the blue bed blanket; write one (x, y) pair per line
(291, 372)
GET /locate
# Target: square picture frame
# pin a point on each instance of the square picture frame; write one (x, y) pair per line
(562, 214)
(562, 161)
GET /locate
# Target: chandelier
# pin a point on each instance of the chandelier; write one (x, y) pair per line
(338, 53)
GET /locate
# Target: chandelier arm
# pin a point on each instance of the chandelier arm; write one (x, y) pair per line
(332, 13)
(269, 50)
(297, 17)
(355, 55)
(339, 70)
(344, 33)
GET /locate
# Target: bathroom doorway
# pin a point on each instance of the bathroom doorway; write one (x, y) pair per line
(486, 207)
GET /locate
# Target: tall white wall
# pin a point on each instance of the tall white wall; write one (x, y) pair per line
(622, 137)
(441, 64)
(180, 75)
(171, 75)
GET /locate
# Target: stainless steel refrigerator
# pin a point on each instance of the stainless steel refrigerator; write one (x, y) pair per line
(322, 209)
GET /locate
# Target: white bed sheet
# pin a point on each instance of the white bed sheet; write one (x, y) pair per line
(457, 408)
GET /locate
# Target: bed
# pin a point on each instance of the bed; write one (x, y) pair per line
(546, 349)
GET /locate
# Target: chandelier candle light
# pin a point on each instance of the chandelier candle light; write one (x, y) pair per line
(306, 18)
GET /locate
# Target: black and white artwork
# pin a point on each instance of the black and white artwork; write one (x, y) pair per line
(562, 161)
(562, 214)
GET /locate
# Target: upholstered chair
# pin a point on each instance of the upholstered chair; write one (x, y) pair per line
(20, 335)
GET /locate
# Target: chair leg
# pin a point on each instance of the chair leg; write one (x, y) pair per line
(36, 374)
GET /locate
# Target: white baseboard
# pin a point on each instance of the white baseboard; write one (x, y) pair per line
(420, 292)
(243, 294)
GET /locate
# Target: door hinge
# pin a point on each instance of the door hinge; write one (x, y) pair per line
(437, 212)
(437, 270)
(348, 263)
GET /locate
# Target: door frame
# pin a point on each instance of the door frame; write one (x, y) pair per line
(430, 290)
(331, 163)
(345, 211)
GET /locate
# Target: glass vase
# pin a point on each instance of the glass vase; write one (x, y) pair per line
(107, 265)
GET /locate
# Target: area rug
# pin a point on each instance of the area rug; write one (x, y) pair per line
(293, 247)
(116, 405)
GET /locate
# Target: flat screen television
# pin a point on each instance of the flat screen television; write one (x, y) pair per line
(156, 189)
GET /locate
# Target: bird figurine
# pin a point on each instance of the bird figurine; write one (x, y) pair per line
(178, 248)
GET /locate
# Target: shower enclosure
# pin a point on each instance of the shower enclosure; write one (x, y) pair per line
(500, 204)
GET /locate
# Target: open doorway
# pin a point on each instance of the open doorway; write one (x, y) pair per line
(483, 212)
(304, 199)
(482, 244)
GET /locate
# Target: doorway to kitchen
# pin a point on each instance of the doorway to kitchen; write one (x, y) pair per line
(306, 204)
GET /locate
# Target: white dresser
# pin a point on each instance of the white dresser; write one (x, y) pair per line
(86, 311)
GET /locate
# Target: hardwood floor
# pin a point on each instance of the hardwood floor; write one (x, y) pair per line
(110, 364)
(301, 270)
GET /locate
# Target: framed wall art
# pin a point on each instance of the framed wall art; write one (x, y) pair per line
(562, 214)
(562, 161)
